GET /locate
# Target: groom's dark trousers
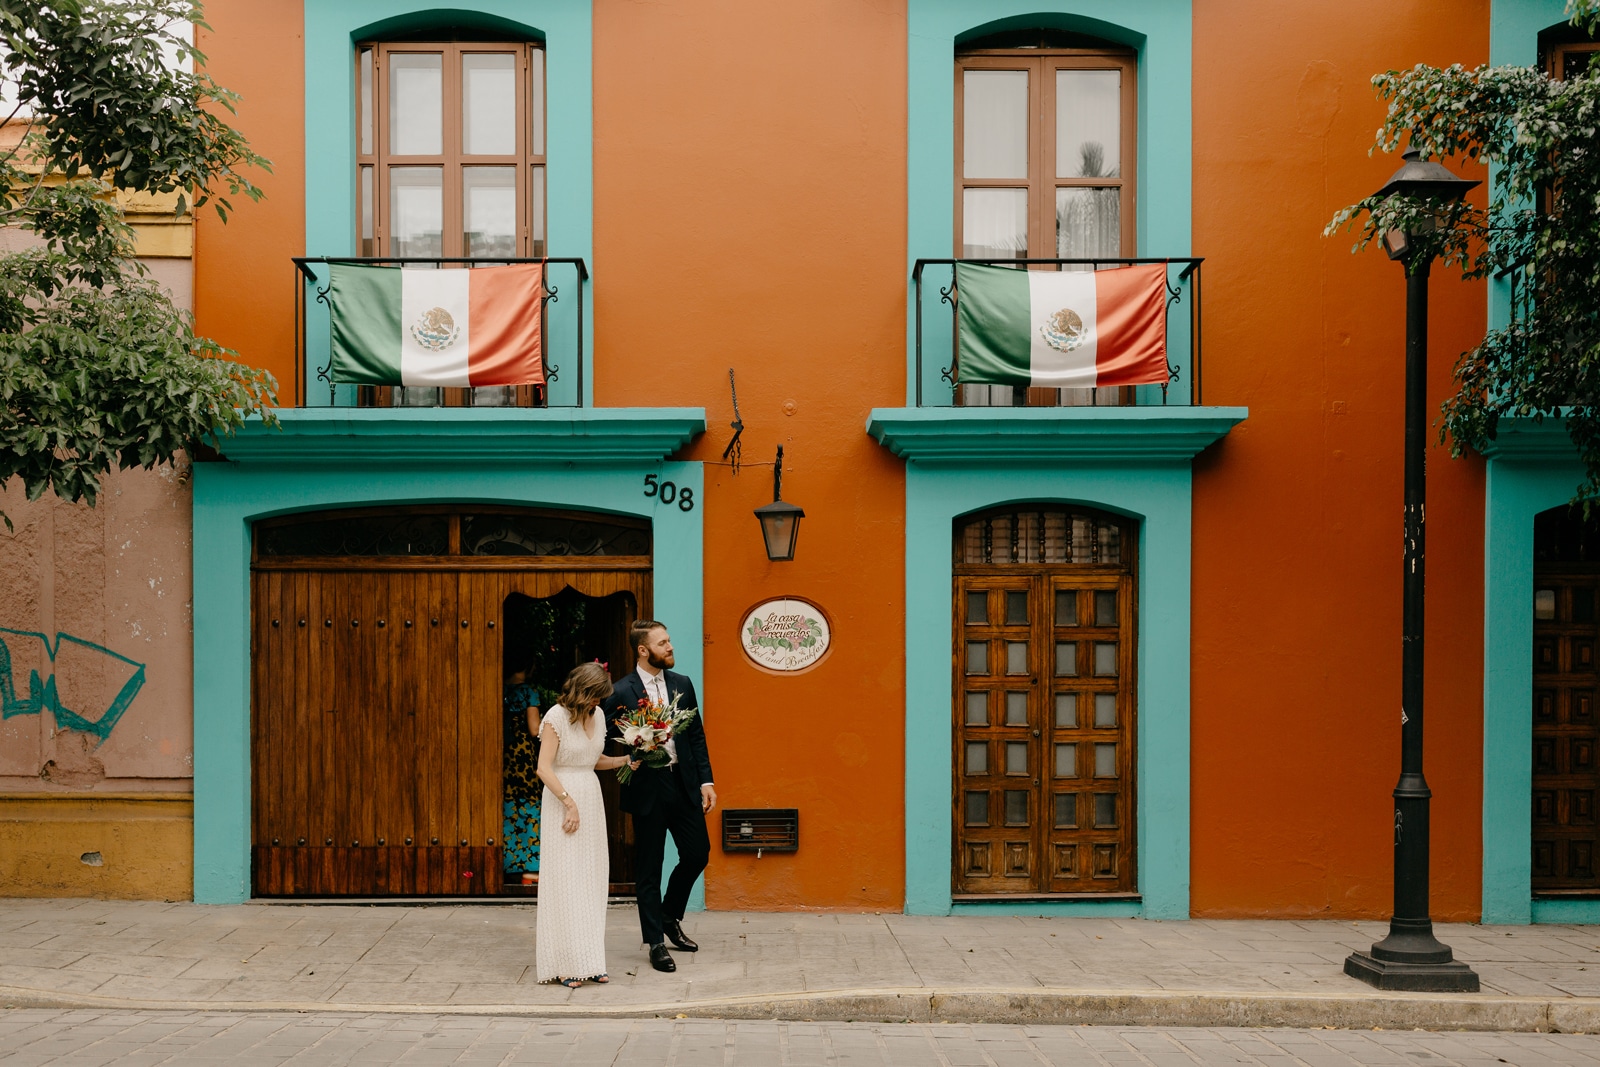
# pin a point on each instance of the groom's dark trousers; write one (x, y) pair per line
(662, 801)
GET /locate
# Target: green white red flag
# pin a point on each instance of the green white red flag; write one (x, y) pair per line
(1061, 329)
(405, 326)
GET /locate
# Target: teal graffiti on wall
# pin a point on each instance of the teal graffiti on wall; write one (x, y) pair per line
(83, 658)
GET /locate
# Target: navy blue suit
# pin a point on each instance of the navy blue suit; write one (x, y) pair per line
(665, 800)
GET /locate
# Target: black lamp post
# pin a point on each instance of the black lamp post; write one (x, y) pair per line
(1411, 958)
(780, 521)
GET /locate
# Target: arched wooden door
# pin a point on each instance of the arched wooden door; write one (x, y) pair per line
(376, 687)
(1044, 718)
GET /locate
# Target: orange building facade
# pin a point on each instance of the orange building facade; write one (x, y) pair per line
(1128, 651)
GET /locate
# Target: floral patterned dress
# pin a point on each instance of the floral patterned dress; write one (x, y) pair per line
(520, 776)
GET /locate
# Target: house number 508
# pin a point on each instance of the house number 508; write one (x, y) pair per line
(669, 492)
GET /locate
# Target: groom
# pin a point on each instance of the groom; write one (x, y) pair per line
(672, 799)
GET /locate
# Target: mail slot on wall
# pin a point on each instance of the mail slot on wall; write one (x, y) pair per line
(760, 829)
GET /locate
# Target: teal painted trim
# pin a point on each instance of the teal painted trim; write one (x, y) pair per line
(479, 436)
(1159, 495)
(1162, 33)
(228, 497)
(565, 26)
(1524, 477)
(1009, 435)
(1567, 911)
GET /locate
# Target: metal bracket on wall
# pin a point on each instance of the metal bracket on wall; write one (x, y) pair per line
(732, 453)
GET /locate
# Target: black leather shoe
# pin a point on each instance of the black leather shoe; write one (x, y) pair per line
(661, 959)
(679, 939)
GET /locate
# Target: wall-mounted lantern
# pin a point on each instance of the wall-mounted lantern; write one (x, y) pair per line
(780, 521)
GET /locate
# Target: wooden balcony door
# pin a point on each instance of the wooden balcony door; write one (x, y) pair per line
(1566, 731)
(1044, 711)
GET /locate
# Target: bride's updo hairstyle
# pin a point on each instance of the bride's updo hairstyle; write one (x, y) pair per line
(587, 685)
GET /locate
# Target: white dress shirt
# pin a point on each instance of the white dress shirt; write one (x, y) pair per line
(655, 687)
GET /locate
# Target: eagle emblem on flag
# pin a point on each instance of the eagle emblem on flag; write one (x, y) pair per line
(1063, 331)
(436, 330)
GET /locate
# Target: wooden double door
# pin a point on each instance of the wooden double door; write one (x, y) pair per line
(377, 718)
(1044, 711)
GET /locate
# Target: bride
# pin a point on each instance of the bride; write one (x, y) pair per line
(574, 865)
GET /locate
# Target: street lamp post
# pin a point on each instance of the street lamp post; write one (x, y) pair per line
(1411, 958)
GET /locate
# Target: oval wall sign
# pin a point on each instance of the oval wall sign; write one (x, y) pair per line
(787, 634)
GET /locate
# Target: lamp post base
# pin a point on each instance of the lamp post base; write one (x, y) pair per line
(1452, 976)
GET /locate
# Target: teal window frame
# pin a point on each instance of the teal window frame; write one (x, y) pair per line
(332, 31)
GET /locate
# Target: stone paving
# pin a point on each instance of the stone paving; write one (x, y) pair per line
(37, 1038)
(56, 953)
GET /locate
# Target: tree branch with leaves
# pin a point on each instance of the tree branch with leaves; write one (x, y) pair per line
(1541, 233)
(99, 370)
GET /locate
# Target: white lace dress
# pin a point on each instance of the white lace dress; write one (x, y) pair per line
(575, 868)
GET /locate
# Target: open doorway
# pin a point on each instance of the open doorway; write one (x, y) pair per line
(544, 638)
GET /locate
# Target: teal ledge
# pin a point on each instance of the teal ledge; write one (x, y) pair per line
(505, 436)
(991, 435)
(1531, 440)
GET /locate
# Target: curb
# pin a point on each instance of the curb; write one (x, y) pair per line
(1034, 1006)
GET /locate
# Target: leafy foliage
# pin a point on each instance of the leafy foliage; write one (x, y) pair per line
(1542, 232)
(98, 369)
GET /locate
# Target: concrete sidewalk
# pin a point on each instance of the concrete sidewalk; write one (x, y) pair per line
(478, 959)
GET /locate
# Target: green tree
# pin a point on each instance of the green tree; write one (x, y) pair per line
(1541, 231)
(98, 369)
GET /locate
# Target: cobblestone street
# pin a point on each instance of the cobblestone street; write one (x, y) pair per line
(79, 1038)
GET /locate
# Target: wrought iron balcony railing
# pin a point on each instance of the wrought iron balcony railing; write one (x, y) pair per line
(1183, 339)
(561, 328)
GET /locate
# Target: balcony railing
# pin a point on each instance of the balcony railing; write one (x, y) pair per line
(1183, 339)
(563, 332)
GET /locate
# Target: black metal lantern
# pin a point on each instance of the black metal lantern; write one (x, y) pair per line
(780, 521)
(1411, 957)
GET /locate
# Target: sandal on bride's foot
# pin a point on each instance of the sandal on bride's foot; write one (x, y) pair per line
(600, 979)
(571, 983)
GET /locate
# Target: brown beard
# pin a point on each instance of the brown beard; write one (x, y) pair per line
(660, 663)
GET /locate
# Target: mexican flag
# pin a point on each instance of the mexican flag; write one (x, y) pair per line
(1061, 329)
(403, 326)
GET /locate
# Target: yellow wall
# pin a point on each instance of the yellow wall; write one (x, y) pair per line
(145, 842)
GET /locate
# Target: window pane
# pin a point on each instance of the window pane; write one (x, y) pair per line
(1110, 538)
(1105, 658)
(1066, 659)
(489, 104)
(1066, 810)
(994, 123)
(977, 709)
(1544, 604)
(977, 607)
(1066, 761)
(1066, 607)
(366, 101)
(977, 657)
(1016, 807)
(1105, 761)
(994, 223)
(493, 396)
(977, 757)
(1016, 709)
(1016, 757)
(489, 211)
(1066, 711)
(1016, 657)
(416, 103)
(1105, 809)
(1088, 223)
(1088, 123)
(367, 248)
(536, 212)
(416, 211)
(977, 809)
(1105, 608)
(1016, 609)
(536, 111)
(1105, 710)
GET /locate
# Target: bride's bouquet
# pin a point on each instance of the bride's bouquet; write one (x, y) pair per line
(646, 730)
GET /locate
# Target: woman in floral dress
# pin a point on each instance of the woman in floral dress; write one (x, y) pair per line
(520, 774)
